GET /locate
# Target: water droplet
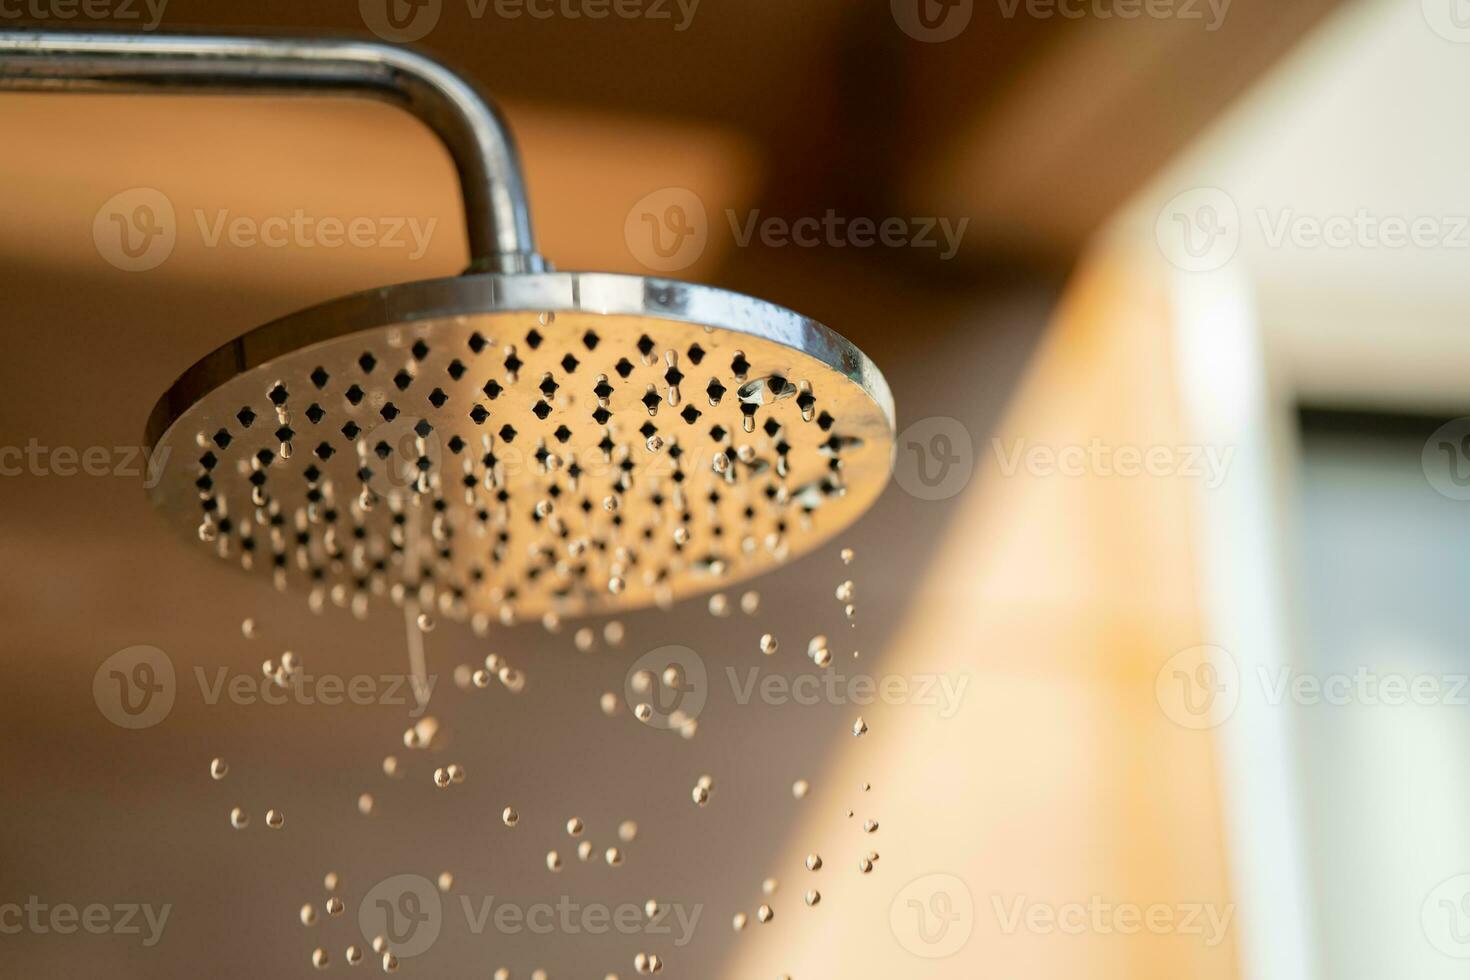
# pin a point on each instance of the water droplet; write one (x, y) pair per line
(331, 881)
(334, 906)
(354, 956)
(574, 827)
(509, 817)
(643, 712)
(614, 857)
(650, 908)
(584, 851)
(813, 897)
(425, 623)
(480, 678)
(319, 958)
(859, 728)
(365, 804)
(553, 861)
(750, 603)
(769, 886)
(248, 628)
(390, 766)
(768, 644)
(584, 639)
(456, 772)
(800, 788)
(446, 881)
(870, 826)
(218, 768)
(865, 865)
(719, 604)
(701, 795)
(441, 777)
(275, 819)
(738, 922)
(847, 556)
(765, 913)
(609, 703)
(846, 591)
(613, 633)
(814, 862)
(390, 963)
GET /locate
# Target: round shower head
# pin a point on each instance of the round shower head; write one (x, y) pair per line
(504, 446)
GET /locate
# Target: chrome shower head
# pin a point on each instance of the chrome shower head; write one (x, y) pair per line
(504, 443)
(509, 445)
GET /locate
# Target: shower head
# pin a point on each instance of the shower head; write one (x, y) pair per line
(505, 443)
(509, 445)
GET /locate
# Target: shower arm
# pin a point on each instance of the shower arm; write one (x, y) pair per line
(497, 219)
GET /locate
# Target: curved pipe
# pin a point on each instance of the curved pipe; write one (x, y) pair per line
(497, 218)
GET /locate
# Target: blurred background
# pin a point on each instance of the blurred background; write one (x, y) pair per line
(1167, 577)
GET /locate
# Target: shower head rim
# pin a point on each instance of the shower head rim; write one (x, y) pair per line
(471, 294)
